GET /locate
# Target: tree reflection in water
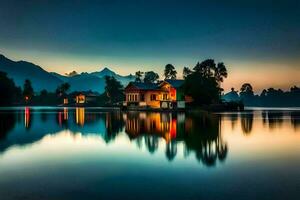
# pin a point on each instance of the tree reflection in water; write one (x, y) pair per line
(247, 122)
(7, 123)
(295, 119)
(200, 133)
(275, 119)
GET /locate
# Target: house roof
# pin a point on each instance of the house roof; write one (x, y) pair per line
(144, 86)
(86, 93)
(175, 83)
(155, 86)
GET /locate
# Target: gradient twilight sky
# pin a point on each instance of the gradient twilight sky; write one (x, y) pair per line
(259, 41)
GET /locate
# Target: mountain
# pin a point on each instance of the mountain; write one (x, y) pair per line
(104, 72)
(41, 79)
(231, 96)
(107, 72)
(21, 70)
(85, 82)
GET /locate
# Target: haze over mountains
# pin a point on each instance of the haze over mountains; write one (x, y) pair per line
(19, 71)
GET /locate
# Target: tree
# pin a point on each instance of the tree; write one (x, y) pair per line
(247, 94)
(202, 89)
(170, 72)
(63, 89)
(220, 72)
(113, 90)
(246, 89)
(28, 92)
(138, 76)
(186, 71)
(151, 77)
(205, 68)
(9, 92)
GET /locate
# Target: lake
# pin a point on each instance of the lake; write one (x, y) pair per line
(82, 153)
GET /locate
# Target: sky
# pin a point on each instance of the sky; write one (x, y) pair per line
(259, 41)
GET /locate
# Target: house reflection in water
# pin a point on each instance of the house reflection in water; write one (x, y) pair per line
(199, 134)
(161, 124)
(196, 135)
(80, 116)
(27, 117)
(63, 116)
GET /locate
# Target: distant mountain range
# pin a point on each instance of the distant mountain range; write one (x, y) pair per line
(19, 71)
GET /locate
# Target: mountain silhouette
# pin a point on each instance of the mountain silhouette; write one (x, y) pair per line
(107, 72)
(19, 71)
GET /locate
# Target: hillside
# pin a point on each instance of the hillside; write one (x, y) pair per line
(19, 71)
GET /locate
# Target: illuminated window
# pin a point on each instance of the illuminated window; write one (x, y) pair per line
(165, 96)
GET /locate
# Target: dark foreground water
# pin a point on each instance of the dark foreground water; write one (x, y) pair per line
(80, 153)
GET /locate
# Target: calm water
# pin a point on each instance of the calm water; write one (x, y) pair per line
(78, 153)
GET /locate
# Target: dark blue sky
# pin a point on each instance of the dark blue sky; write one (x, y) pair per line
(130, 35)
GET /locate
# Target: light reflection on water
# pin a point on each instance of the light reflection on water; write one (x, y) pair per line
(102, 151)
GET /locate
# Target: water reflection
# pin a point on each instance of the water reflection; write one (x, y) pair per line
(295, 119)
(247, 122)
(7, 123)
(27, 118)
(199, 135)
(80, 115)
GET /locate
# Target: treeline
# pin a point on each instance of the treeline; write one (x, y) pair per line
(12, 95)
(268, 97)
(202, 82)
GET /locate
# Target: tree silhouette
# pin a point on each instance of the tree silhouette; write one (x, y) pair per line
(151, 77)
(186, 71)
(170, 72)
(220, 72)
(63, 89)
(28, 92)
(113, 89)
(203, 90)
(247, 88)
(205, 68)
(138, 76)
(9, 92)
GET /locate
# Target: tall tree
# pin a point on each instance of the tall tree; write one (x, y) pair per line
(186, 71)
(170, 72)
(63, 89)
(113, 90)
(151, 77)
(220, 72)
(202, 89)
(205, 68)
(28, 92)
(9, 92)
(138, 76)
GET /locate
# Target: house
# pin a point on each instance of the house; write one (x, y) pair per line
(167, 94)
(84, 98)
(172, 94)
